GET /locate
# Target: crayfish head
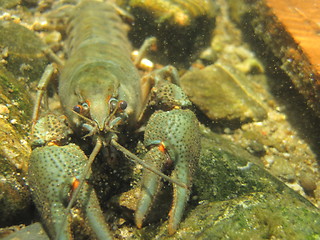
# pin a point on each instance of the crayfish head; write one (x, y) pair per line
(96, 121)
(99, 109)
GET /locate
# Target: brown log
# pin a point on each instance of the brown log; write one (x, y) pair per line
(291, 30)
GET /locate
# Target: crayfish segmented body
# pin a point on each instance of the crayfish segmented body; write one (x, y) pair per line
(99, 70)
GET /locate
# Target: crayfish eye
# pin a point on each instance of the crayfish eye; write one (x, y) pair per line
(77, 108)
(82, 108)
(123, 105)
(113, 103)
(85, 106)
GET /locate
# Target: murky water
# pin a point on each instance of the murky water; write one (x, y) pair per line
(252, 120)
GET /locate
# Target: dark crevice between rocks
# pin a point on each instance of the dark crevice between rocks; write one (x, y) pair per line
(177, 45)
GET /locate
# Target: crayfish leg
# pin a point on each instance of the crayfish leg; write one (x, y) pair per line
(161, 80)
(41, 89)
(145, 47)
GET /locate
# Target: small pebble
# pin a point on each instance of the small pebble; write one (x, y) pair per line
(4, 109)
(307, 182)
(14, 121)
(282, 169)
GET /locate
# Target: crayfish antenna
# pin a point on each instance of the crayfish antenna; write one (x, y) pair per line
(82, 179)
(138, 160)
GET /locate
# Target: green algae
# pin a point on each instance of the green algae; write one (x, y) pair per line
(252, 216)
(15, 150)
(14, 94)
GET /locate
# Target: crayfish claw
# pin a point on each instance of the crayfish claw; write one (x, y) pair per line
(151, 185)
(53, 179)
(178, 129)
(50, 169)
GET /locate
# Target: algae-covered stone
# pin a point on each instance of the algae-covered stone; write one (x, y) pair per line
(236, 198)
(22, 60)
(24, 56)
(31, 232)
(14, 195)
(14, 95)
(15, 149)
(253, 216)
(15, 118)
(223, 94)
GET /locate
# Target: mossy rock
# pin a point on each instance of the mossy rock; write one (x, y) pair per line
(14, 94)
(234, 197)
(24, 61)
(15, 149)
(252, 216)
(25, 57)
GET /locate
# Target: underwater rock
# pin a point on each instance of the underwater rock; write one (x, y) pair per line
(223, 94)
(15, 149)
(253, 216)
(281, 168)
(307, 182)
(22, 51)
(22, 60)
(236, 198)
(15, 100)
(31, 232)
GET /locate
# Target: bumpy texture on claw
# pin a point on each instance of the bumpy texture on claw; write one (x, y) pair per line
(52, 171)
(168, 95)
(50, 128)
(178, 130)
